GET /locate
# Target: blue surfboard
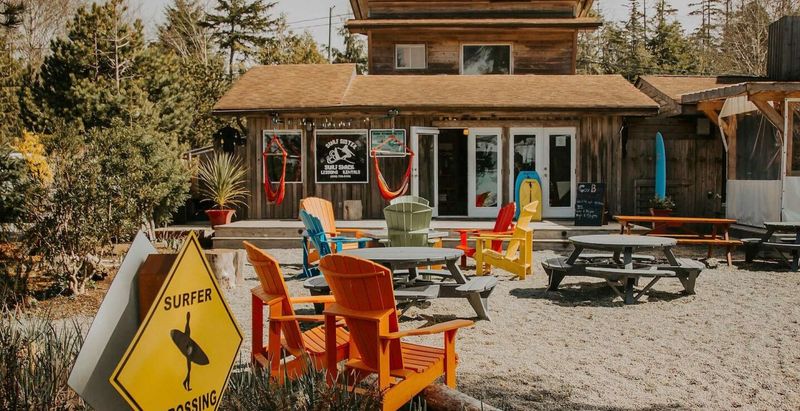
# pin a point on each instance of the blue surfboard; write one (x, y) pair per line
(661, 167)
(531, 195)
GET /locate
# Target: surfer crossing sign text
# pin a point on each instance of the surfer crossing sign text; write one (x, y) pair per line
(182, 355)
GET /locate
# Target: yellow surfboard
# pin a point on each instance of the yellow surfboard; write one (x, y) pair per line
(529, 190)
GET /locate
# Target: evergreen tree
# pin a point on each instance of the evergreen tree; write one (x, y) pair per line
(287, 47)
(240, 27)
(671, 50)
(635, 57)
(11, 13)
(9, 88)
(201, 69)
(354, 51)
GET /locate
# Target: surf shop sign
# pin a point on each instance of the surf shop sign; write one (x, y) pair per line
(184, 350)
(341, 156)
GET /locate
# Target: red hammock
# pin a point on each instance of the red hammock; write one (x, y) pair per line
(386, 192)
(277, 195)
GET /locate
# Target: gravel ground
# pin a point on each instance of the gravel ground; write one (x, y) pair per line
(735, 344)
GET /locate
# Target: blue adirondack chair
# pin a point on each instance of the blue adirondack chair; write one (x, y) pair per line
(319, 239)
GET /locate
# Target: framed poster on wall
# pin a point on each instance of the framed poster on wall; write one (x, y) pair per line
(341, 156)
(377, 138)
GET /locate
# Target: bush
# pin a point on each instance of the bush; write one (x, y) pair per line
(36, 357)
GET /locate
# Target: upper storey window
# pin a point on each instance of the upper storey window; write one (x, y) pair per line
(486, 59)
(410, 57)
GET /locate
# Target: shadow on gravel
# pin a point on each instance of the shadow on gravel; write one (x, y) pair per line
(593, 294)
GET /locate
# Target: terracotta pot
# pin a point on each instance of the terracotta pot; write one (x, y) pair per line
(220, 217)
(658, 212)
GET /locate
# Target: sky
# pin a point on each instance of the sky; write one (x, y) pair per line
(312, 15)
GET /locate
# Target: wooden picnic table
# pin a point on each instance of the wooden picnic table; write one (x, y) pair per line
(621, 266)
(719, 236)
(788, 244)
(397, 259)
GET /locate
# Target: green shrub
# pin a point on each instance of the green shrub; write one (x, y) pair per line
(36, 357)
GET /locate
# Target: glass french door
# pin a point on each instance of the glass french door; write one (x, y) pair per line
(485, 163)
(551, 153)
(425, 166)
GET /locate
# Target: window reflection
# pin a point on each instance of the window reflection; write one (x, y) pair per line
(486, 156)
(486, 59)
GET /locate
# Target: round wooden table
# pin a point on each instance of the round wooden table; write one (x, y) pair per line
(407, 258)
(623, 245)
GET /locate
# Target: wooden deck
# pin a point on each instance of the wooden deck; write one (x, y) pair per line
(548, 234)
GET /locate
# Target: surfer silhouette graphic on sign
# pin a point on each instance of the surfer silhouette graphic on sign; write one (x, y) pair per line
(189, 349)
(341, 153)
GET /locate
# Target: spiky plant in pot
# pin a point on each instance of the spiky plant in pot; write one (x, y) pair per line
(222, 182)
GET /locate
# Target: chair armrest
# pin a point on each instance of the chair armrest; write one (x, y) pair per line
(301, 318)
(264, 297)
(354, 231)
(494, 237)
(344, 240)
(318, 299)
(466, 230)
(434, 329)
(339, 311)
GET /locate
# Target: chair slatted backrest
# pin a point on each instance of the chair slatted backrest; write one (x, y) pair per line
(322, 209)
(410, 199)
(316, 232)
(404, 218)
(272, 283)
(364, 286)
(524, 220)
(505, 218)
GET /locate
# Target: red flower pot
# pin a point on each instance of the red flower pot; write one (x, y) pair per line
(659, 212)
(220, 217)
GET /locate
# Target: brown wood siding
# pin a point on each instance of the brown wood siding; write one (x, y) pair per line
(695, 165)
(783, 60)
(598, 148)
(471, 8)
(534, 51)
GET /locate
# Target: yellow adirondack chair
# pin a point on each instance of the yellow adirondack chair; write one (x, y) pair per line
(285, 336)
(518, 256)
(365, 299)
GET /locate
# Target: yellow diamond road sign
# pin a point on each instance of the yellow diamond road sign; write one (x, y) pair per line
(182, 355)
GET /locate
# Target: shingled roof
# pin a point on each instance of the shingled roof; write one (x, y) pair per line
(337, 87)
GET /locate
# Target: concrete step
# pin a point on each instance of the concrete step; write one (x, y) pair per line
(294, 242)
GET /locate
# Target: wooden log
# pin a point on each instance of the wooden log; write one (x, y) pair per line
(440, 397)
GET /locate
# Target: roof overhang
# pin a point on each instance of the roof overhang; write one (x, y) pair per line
(761, 90)
(364, 25)
(361, 8)
(472, 111)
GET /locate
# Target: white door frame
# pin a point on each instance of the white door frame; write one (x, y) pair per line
(543, 165)
(472, 209)
(415, 133)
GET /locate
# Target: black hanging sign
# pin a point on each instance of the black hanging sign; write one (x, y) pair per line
(342, 156)
(590, 204)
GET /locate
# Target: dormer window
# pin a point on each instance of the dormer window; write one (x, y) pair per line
(410, 57)
(486, 59)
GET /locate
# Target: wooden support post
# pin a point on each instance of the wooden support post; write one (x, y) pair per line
(769, 111)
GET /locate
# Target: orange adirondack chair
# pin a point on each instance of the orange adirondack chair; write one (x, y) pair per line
(518, 257)
(365, 299)
(323, 209)
(284, 328)
(503, 225)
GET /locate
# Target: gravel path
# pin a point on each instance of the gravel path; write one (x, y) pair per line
(735, 344)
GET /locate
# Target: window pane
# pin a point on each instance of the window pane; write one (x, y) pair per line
(293, 144)
(427, 173)
(794, 108)
(411, 56)
(560, 170)
(486, 155)
(758, 148)
(487, 59)
(524, 154)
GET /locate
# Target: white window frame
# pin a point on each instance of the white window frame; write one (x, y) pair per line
(510, 57)
(330, 132)
(411, 45)
(303, 157)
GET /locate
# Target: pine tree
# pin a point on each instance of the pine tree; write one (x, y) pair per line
(636, 57)
(184, 32)
(671, 50)
(240, 27)
(287, 47)
(11, 13)
(10, 125)
(354, 51)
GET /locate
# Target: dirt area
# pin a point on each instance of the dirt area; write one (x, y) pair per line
(735, 344)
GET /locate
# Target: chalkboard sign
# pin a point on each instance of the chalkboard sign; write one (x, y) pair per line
(341, 156)
(590, 204)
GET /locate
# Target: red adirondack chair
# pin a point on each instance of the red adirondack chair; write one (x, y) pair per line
(503, 225)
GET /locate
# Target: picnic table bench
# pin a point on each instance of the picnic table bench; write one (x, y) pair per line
(620, 267)
(719, 236)
(777, 238)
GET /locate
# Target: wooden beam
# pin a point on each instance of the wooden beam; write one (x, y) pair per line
(770, 113)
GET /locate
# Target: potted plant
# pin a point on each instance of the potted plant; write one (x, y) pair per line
(661, 206)
(222, 181)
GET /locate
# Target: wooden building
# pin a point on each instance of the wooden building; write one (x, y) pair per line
(479, 89)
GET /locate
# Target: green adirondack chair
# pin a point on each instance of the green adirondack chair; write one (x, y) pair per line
(408, 224)
(410, 199)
